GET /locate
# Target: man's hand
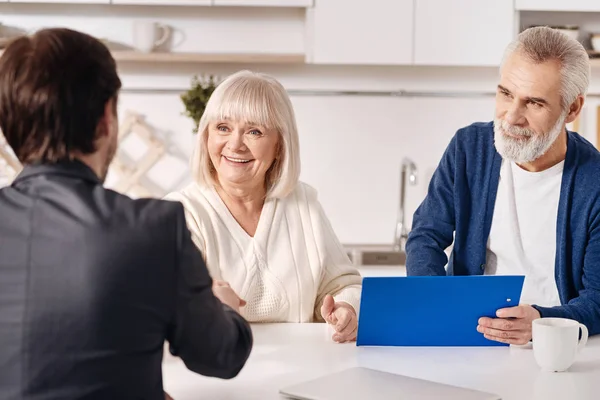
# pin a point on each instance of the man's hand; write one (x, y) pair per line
(342, 317)
(227, 295)
(513, 325)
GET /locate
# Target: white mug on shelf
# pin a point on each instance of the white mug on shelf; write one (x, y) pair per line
(144, 35)
(595, 40)
(556, 342)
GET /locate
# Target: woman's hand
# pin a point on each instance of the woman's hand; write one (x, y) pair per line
(227, 295)
(342, 317)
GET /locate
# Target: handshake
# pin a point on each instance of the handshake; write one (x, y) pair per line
(340, 315)
(223, 291)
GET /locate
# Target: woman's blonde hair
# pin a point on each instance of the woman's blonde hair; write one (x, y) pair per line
(257, 99)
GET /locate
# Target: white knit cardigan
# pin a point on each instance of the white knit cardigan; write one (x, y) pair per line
(287, 268)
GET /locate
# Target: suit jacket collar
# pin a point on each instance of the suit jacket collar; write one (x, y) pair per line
(74, 169)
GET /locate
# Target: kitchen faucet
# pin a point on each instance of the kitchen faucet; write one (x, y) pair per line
(401, 233)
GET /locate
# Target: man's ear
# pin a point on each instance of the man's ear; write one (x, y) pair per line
(575, 109)
(103, 130)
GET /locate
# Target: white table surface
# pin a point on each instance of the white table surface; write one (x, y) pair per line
(381, 270)
(285, 354)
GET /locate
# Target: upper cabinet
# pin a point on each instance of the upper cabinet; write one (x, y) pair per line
(62, 1)
(264, 3)
(558, 5)
(473, 33)
(239, 3)
(165, 2)
(365, 32)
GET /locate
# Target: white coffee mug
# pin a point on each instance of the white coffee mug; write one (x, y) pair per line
(556, 342)
(144, 35)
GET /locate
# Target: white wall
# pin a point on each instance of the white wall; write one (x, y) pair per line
(195, 29)
(351, 146)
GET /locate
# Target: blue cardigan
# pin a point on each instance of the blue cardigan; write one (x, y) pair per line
(460, 202)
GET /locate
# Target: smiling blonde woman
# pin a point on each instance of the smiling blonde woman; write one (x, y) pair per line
(261, 231)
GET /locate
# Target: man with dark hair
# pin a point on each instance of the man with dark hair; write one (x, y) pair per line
(92, 282)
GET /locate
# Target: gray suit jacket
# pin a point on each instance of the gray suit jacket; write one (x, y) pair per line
(91, 285)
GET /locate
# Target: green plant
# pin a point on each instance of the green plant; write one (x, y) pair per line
(195, 98)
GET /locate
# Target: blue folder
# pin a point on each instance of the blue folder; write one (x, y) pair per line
(432, 310)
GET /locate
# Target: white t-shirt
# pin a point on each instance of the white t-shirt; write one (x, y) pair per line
(522, 238)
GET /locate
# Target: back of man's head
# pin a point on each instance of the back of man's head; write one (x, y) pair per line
(54, 87)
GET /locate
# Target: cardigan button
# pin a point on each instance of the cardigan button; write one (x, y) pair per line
(482, 267)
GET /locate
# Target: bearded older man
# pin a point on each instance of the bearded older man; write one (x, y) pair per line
(521, 195)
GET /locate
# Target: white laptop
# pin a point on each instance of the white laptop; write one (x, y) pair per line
(363, 383)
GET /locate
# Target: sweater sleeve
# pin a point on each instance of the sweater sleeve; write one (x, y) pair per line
(434, 221)
(193, 223)
(584, 308)
(338, 277)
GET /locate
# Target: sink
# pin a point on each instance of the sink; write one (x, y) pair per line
(373, 254)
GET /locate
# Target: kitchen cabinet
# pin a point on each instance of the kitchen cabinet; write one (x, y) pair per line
(558, 5)
(62, 1)
(165, 2)
(360, 32)
(264, 3)
(238, 3)
(463, 33)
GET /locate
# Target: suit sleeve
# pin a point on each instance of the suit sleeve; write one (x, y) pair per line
(210, 337)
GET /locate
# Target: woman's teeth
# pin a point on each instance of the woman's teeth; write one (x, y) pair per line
(237, 160)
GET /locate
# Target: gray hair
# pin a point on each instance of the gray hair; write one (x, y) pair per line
(541, 44)
(257, 99)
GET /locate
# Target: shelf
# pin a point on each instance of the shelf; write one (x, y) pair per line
(133, 56)
(191, 58)
(594, 58)
(4, 42)
(241, 58)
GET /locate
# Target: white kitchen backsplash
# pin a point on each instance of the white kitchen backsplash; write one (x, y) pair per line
(351, 146)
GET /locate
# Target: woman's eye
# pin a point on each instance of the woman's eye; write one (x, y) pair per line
(255, 132)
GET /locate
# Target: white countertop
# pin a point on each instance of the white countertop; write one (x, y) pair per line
(285, 354)
(381, 270)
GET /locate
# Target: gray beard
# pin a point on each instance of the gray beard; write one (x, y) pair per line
(530, 146)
